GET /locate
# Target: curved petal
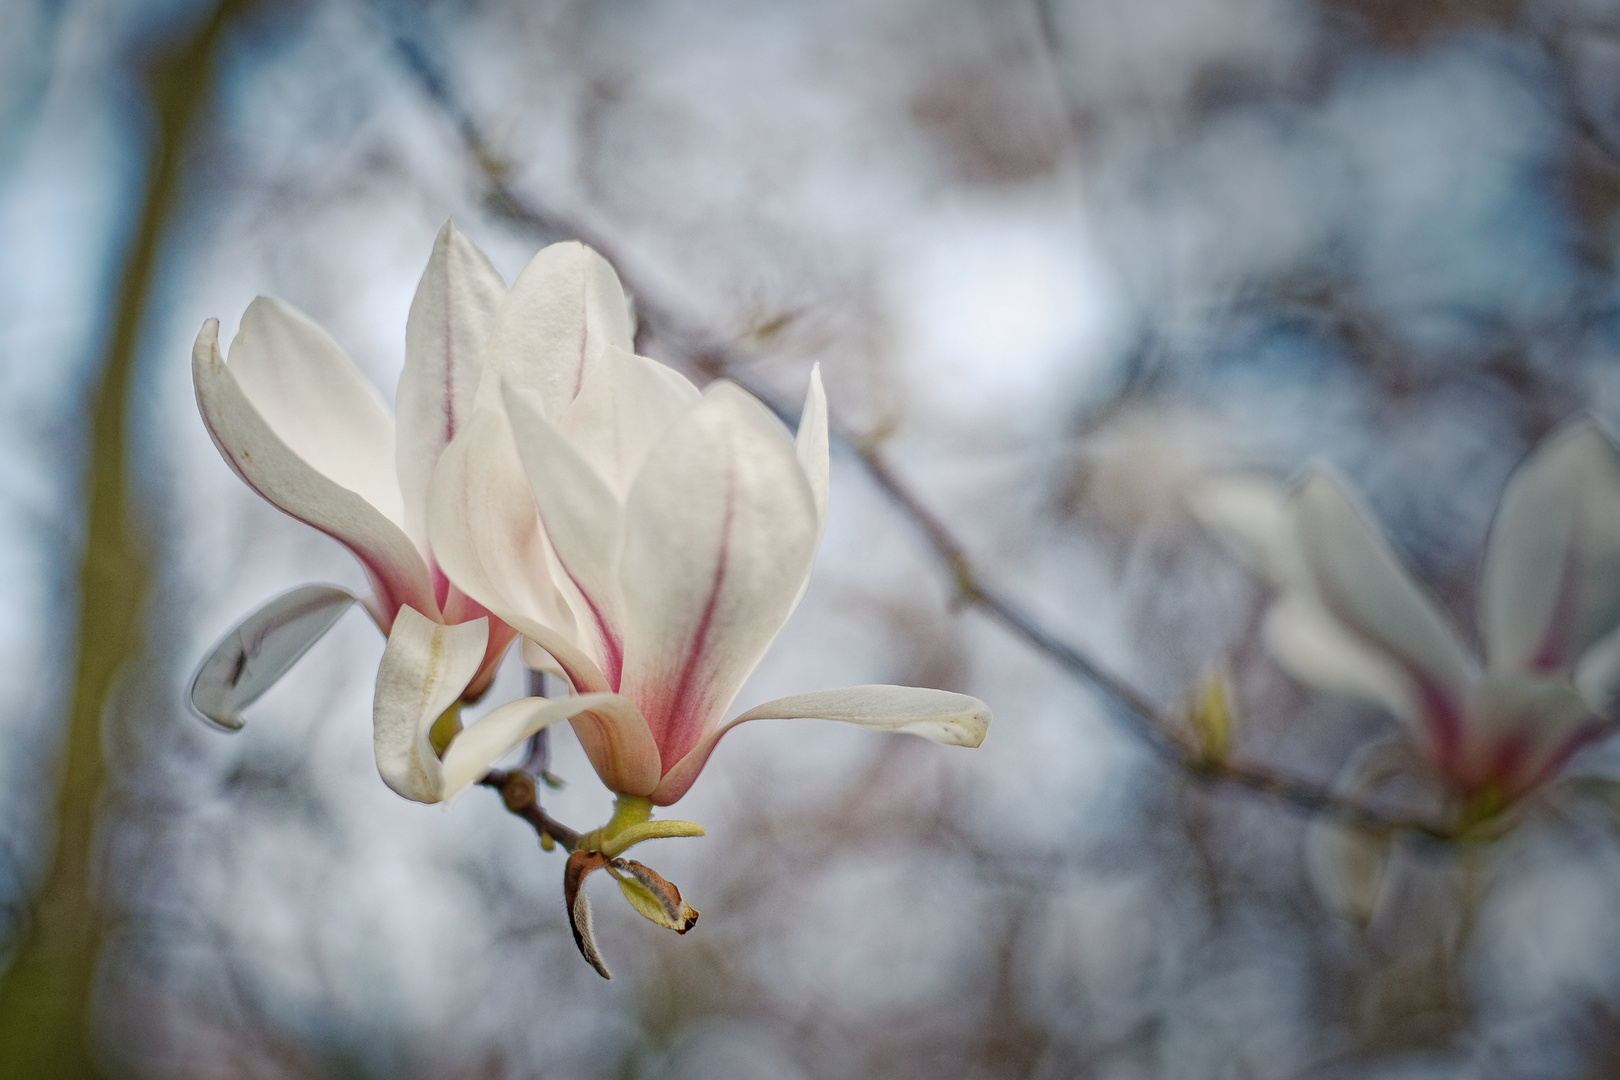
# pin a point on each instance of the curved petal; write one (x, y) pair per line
(445, 334)
(486, 535)
(1597, 675)
(625, 405)
(539, 661)
(562, 311)
(938, 715)
(615, 737)
(475, 749)
(255, 450)
(811, 445)
(1251, 518)
(317, 402)
(261, 648)
(1525, 729)
(1306, 641)
(425, 668)
(1551, 580)
(583, 521)
(1367, 591)
(720, 532)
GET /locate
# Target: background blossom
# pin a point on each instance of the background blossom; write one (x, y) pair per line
(1061, 263)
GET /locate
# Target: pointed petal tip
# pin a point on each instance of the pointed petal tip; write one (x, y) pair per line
(937, 715)
(205, 358)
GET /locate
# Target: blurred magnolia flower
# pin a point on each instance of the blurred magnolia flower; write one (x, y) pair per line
(296, 420)
(679, 529)
(1351, 620)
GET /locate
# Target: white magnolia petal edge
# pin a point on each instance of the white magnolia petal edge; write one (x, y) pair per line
(446, 330)
(811, 443)
(1308, 643)
(938, 715)
(475, 749)
(260, 649)
(257, 454)
(1249, 516)
(1359, 579)
(425, 668)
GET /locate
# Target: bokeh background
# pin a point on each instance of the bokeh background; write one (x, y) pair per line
(1061, 260)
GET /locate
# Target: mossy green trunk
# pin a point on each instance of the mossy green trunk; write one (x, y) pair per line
(45, 991)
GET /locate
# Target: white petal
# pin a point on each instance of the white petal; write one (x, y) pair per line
(811, 444)
(1551, 582)
(258, 650)
(1368, 592)
(1524, 729)
(563, 310)
(720, 532)
(1316, 650)
(255, 449)
(474, 750)
(1250, 516)
(1597, 675)
(625, 405)
(938, 715)
(583, 520)
(317, 402)
(486, 535)
(539, 660)
(445, 333)
(425, 668)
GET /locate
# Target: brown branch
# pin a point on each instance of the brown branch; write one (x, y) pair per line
(519, 794)
(1132, 708)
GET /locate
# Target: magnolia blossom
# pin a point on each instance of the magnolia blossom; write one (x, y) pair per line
(296, 420)
(1349, 619)
(647, 539)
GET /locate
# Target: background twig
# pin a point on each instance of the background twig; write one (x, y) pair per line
(1130, 707)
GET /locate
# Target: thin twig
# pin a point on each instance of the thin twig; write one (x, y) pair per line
(1132, 708)
(518, 792)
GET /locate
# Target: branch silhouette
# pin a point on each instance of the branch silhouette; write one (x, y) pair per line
(707, 351)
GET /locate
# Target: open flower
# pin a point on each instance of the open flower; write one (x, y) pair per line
(296, 420)
(1349, 619)
(679, 526)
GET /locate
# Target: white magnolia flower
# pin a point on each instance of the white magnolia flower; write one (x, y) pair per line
(678, 533)
(1349, 619)
(296, 420)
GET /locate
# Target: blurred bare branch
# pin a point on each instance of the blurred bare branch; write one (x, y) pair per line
(708, 352)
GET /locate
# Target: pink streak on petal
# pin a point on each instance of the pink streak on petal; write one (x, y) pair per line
(388, 592)
(613, 669)
(441, 584)
(1443, 721)
(1506, 766)
(685, 711)
(1573, 743)
(460, 608)
(683, 773)
(1553, 652)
